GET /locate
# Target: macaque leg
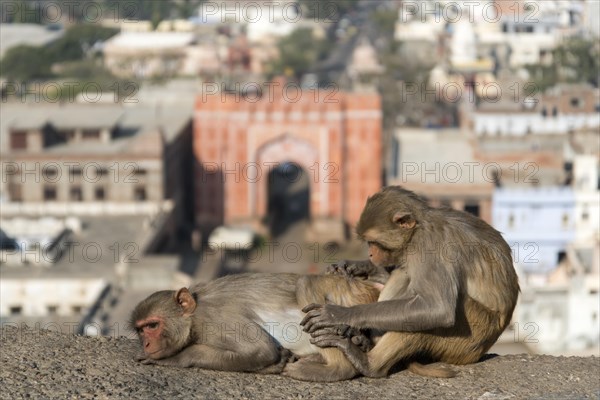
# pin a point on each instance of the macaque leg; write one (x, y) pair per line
(391, 348)
(285, 356)
(476, 330)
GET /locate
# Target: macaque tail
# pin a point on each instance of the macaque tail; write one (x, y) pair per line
(431, 370)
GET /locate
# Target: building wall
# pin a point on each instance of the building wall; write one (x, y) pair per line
(537, 223)
(334, 137)
(119, 179)
(45, 297)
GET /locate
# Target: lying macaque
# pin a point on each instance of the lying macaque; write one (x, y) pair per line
(250, 322)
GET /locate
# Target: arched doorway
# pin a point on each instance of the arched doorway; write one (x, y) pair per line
(288, 197)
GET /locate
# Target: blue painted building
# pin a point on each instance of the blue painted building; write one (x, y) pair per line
(538, 224)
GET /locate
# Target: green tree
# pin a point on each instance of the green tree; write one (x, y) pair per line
(76, 41)
(298, 53)
(324, 10)
(25, 63)
(576, 60)
(155, 10)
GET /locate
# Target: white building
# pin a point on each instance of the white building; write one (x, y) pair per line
(523, 122)
(561, 109)
(37, 242)
(48, 297)
(560, 319)
(147, 54)
(260, 19)
(538, 224)
(587, 199)
(559, 309)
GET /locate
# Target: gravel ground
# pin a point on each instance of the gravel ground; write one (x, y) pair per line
(47, 364)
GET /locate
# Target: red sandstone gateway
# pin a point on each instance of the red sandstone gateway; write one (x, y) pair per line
(333, 137)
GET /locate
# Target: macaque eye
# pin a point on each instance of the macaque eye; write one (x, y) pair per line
(371, 243)
(152, 325)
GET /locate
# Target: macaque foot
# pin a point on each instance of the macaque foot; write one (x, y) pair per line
(360, 339)
(356, 336)
(285, 357)
(353, 353)
(313, 368)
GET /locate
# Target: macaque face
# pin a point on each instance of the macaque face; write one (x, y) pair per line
(151, 334)
(379, 255)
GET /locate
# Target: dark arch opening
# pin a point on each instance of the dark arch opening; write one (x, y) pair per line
(288, 197)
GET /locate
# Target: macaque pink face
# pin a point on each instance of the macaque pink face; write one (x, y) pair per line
(379, 256)
(150, 332)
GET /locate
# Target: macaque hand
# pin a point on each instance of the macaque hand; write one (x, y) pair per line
(319, 316)
(359, 269)
(142, 359)
(351, 269)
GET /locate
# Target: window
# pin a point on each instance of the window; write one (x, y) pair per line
(75, 171)
(575, 102)
(52, 310)
(141, 172)
(101, 171)
(562, 256)
(90, 134)
(49, 193)
(565, 220)
(511, 221)
(139, 193)
(99, 193)
(472, 209)
(68, 134)
(50, 173)
(77, 309)
(18, 140)
(15, 192)
(16, 310)
(585, 215)
(75, 194)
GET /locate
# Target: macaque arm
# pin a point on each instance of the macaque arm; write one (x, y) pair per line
(428, 301)
(204, 356)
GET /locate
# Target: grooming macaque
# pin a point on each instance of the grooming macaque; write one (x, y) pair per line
(249, 322)
(450, 294)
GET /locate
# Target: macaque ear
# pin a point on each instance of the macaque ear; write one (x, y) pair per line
(404, 220)
(186, 301)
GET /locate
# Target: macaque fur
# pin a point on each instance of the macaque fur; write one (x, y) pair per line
(248, 322)
(450, 295)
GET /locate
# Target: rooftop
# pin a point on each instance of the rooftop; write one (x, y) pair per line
(133, 122)
(12, 35)
(49, 364)
(92, 251)
(150, 40)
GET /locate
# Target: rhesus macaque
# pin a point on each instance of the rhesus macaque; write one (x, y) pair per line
(450, 295)
(249, 322)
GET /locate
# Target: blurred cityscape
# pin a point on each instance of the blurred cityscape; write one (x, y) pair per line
(147, 145)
